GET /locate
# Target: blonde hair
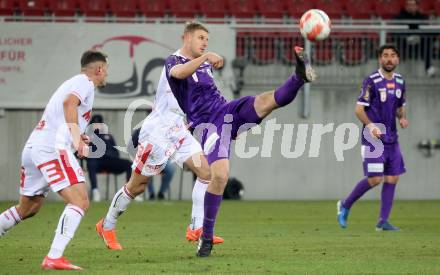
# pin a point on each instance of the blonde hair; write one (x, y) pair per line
(193, 26)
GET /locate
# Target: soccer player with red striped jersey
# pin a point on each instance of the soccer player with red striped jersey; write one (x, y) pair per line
(48, 162)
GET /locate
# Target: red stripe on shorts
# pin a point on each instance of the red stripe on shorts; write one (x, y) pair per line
(68, 168)
(145, 153)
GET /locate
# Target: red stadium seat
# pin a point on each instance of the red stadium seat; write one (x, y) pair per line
(123, 8)
(213, 8)
(183, 8)
(7, 7)
(353, 47)
(63, 7)
(323, 52)
(359, 9)
(271, 8)
(286, 43)
(296, 8)
(243, 45)
(93, 8)
(334, 8)
(437, 8)
(263, 45)
(32, 7)
(152, 8)
(426, 7)
(242, 8)
(388, 9)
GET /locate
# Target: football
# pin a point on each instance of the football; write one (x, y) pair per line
(315, 25)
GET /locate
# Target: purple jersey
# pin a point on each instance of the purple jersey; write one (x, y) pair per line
(381, 98)
(197, 95)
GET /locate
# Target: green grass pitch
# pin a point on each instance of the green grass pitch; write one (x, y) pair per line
(299, 237)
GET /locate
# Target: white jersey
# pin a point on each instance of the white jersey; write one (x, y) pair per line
(166, 123)
(52, 130)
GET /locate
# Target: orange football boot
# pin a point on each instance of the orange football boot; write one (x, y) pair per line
(59, 264)
(194, 235)
(109, 236)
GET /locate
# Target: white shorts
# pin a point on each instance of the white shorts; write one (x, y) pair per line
(152, 156)
(44, 167)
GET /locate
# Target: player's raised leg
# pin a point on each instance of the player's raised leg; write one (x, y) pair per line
(267, 102)
(77, 203)
(199, 165)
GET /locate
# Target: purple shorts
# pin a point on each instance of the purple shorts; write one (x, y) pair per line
(390, 163)
(226, 124)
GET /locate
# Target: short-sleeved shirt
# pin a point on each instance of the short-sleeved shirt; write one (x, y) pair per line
(381, 98)
(197, 95)
(52, 130)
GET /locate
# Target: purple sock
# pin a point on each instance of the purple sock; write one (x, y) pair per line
(287, 92)
(361, 188)
(212, 205)
(387, 201)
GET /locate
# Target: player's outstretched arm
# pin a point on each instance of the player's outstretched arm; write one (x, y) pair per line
(362, 116)
(70, 106)
(182, 71)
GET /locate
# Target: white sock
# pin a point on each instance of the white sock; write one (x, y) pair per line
(198, 198)
(9, 219)
(67, 225)
(119, 204)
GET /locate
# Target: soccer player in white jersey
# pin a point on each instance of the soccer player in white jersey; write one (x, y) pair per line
(163, 137)
(48, 162)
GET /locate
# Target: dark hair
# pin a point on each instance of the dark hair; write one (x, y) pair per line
(97, 119)
(386, 47)
(92, 56)
(193, 26)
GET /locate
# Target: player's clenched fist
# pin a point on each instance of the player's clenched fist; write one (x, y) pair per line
(214, 59)
(374, 130)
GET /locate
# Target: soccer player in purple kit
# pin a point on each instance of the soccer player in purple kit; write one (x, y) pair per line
(382, 99)
(216, 121)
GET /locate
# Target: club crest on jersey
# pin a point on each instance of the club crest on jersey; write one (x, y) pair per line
(383, 94)
(398, 93)
(391, 86)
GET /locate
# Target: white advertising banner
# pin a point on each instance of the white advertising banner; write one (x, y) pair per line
(35, 58)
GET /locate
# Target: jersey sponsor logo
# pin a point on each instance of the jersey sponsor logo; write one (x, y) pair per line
(383, 94)
(41, 125)
(391, 92)
(398, 93)
(391, 85)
